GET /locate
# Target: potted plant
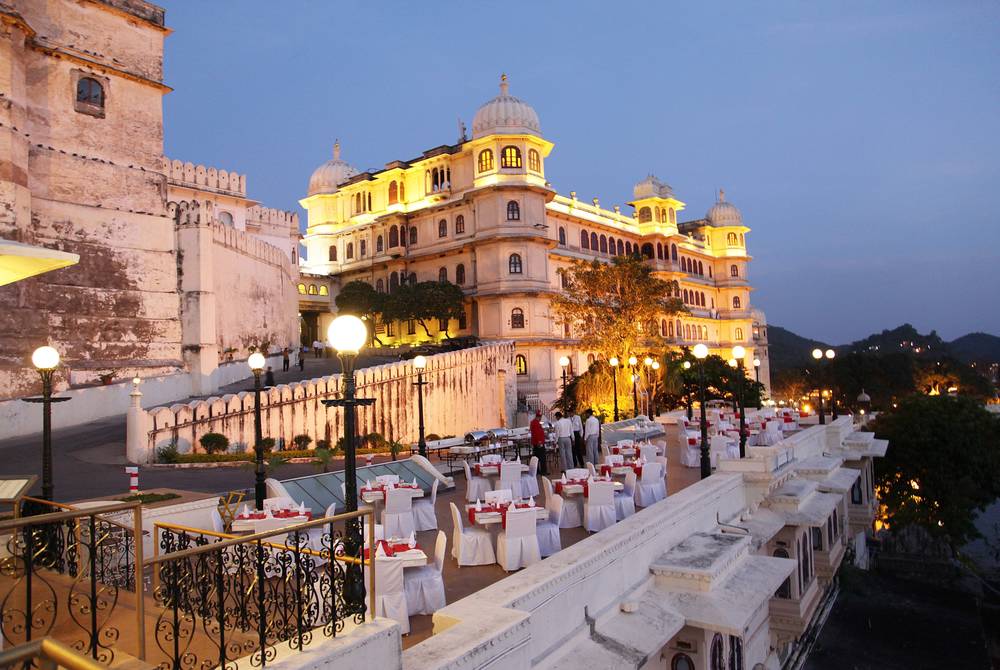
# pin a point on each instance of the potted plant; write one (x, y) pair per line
(214, 443)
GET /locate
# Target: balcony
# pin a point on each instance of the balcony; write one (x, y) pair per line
(793, 615)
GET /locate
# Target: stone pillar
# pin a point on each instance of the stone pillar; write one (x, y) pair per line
(137, 444)
(195, 244)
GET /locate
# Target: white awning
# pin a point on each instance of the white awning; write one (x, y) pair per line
(19, 261)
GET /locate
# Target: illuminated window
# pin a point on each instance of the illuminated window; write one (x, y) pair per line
(332, 253)
(521, 364)
(90, 92)
(393, 237)
(673, 215)
(514, 265)
(393, 193)
(411, 327)
(378, 244)
(460, 274)
(443, 325)
(517, 318)
(734, 271)
(584, 240)
(670, 329)
(731, 239)
(485, 160)
(443, 274)
(312, 289)
(736, 302)
(350, 250)
(323, 290)
(459, 224)
(663, 328)
(534, 161)
(442, 228)
(390, 329)
(302, 289)
(562, 236)
(510, 157)
(645, 215)
(413, 235)
(513, 211)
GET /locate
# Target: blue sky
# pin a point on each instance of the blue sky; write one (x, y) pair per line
(861, 140)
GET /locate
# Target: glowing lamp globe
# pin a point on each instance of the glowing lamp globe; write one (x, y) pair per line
(632, 360)
(256, 361)
(45, 358)
(613, 361)
(687, 365)
(817, 354)
(347, 334)
(420, 362)
(756, 362)
(732, 362)
(739, 352)
(700, 351)
(563, 361)
(656, 365)
(647, 361)
(830, 353)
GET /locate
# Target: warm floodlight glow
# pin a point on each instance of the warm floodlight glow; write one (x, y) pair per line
(647, 361)
(613, 361)
(687, 365)
(256, 361)
(700, 351)
(732, 362)
(564, 361)
(756, 362)
(347, 334)
(420, 362)
(817, 354)
(632, 360)
(739, 352)
(830, 353)
(45, 358)
(656, 365)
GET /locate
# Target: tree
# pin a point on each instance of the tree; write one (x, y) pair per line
(942, 467)
(615, 307)
(361, 299)
(424, 302)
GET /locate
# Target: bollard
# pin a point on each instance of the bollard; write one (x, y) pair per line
(133, 478)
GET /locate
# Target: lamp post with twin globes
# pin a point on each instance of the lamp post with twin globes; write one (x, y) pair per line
(739, 353)
(830, 353)
(257, 363)
(818, 356)
(700, 352)
(633, 362)
(655, 366)
(690, 405)
(756, 372)
(613, 362)
(419, 363)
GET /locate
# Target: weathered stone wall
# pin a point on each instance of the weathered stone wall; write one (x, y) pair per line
(467, 389)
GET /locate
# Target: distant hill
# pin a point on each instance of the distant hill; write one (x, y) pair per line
(902, 338)
(976, 348)
(788, 350)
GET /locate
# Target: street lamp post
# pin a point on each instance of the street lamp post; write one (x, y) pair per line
(756, 373)
(257, 363)
(633, 362)
(830, 353)
(733, 365)
(652, 389)
(420, 363)
(564, 363)
(613, 362)
(739, 353)
(818, 355)
(701, 353)
(690, 405)
(46, 360)
(347, 335)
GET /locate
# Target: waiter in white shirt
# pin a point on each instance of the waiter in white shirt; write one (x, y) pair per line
(564, 439)
(591, 435)
(578, 451)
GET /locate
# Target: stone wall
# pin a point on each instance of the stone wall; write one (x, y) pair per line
(467, 389)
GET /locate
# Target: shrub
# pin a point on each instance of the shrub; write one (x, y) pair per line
(322, 444)
(214, 443)
(302, 441)
(267, 444)
(168, 453)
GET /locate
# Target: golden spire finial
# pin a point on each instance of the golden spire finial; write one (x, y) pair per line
(504, 86)
(336, 150)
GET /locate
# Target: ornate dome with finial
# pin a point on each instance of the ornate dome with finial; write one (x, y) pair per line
(724, 213)
(330, 174)
(505, 115)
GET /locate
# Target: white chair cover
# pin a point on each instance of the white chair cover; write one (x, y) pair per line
(279, 502)
(424, 516)
(517, 546)
(605, 453)
(475, 487)
(557, 507)
(470, 546)
(217, 523)
(390, 598)
(424, 586)
(614, 459)
(647, 452)
(387, 479)
(651, 488)
(591, 470)
(529, 480)
(625, 443)
(599, 508)
(499, 496)
(489, 459)
(397, 519)
(577, 473)
(510, 478)
(625, 500)
(549, 540)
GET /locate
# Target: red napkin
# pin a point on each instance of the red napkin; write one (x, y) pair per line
(390, 549)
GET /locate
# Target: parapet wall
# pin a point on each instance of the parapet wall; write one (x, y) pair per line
(249, 245)
(189, 174)
(466, 389)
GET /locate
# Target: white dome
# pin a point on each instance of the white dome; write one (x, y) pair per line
(724, 213)
(505, 115)
(330, 174)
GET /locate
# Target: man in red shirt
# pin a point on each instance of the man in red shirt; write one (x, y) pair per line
(538, 443)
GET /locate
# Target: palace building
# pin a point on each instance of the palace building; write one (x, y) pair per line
(482, 214)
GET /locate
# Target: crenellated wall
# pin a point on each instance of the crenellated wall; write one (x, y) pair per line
(479, 380)
(203, 177)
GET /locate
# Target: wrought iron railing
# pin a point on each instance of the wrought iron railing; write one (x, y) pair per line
(65, 574)
(218, 597)
(47, 654)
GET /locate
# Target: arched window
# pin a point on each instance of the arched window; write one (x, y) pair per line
(678, 327)
(584, 240)
(402, 191)
(687, 331)
(323, 290)
(380, 286)
(412, 279)
(856, 492)
(514, 265)
(393, 281)
(521, 364)
(670, 329)
(663, 327)
(717, 660)
(562, 236)
(350, 250)
(459, 224)
(302, 289)
(517, 318)
(673, 252)
(513, 211)
(442, 228)
(369, 207)
(225, 218)
(731, 239)
(393, 237)
(611, 246)
(485, 160)
(510, 157)
(628, 248)
(709, 271)
(734, 271)
(659, 251)
(645, 215)
(413, 235)
(604, 244)
(90, 92)
(393, 192)
(681, 661)
(743, 241)
(673, 215)
(443, 274)
(621, 248)
(460, 274)
(332, 253)
(312, 289)
(363, 248)
(701, 269)
(379, 245)
(785, 590)
(685, 296)
(534, 161)
(593, 242)
(647, 250)
(736, 302)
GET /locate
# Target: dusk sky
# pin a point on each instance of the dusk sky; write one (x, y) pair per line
(861, 140)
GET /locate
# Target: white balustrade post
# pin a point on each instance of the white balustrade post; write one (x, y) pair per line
(137, 448)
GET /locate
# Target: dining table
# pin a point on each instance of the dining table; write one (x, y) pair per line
(491, 515)
(260, 522)
(399, 549)
(578, 487)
